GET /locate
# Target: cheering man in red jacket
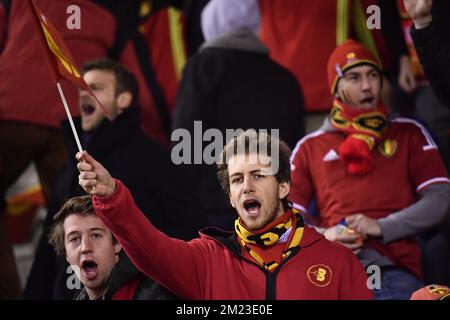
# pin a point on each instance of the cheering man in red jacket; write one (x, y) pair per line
(271, 254)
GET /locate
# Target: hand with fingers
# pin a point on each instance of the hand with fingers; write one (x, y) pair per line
(94, 178)
(346, 236)
(364, 225)
(419, 11)
(406, 78)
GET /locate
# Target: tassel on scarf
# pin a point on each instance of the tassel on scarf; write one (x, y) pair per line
(364, 129)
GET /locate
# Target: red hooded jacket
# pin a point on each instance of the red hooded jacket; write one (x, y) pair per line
(214, 266)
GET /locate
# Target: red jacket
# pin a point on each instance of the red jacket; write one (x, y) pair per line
(128, 290)
(214, 266)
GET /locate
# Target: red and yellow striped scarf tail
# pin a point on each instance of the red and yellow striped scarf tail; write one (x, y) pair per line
(364, 129)
(272, 236)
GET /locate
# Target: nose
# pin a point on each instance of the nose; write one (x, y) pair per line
(86, 245)
(248, 185)
(366, 84)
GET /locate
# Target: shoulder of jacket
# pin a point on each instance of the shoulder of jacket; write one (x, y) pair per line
(309, 137)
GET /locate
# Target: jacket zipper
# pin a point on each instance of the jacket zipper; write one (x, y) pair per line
(271, 278)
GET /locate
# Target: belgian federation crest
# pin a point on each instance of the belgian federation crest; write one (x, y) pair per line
(388, 147)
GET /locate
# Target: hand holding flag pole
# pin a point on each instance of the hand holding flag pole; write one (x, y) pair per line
(59, 61)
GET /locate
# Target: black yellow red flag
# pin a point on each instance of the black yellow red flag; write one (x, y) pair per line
(56, 52)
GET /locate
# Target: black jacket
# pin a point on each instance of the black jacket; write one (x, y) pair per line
(160, 189)
(433, 48)
(232, 83)
(124, 272)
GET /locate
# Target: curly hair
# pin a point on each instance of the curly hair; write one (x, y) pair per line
(264, 141)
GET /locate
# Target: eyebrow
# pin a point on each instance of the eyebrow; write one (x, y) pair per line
(96, 84)
(240, 173)
(72, 233)
(92, 229)
(350, 72)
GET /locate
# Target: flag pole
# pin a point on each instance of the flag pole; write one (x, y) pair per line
(69, 116)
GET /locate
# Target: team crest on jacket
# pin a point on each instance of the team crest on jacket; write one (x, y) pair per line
(320, 275)
(388, 147)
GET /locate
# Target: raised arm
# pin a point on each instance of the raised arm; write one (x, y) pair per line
(177, 265)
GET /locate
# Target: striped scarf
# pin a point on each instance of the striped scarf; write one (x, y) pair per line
(292, 228)
(364, 129)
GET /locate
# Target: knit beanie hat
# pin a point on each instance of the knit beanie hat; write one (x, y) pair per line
(348, 55)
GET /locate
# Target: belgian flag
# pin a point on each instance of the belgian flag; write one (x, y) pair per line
(59, 59)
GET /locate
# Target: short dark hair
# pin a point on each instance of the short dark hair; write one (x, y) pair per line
(81, 205)
(261, 138)
(125, 80)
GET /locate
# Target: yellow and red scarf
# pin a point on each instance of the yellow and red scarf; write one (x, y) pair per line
(258, 243)
(364, 129)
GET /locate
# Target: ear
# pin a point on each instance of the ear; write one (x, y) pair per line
(124, 100)
(337, 95)
(117, 248)
(339, 92)
(283, 189)
(65, 254)
(231, 201)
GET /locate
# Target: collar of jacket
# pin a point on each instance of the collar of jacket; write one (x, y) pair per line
(122, 272)
(108, 135)
(241, 39)
(327, 126)
(228, 239)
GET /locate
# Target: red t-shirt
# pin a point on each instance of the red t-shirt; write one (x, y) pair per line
(405, 162)
(302, 43)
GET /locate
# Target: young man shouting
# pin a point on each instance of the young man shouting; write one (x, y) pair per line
(271, 254)
(95, 255)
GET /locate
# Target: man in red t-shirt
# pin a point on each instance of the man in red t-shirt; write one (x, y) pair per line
(376, 182)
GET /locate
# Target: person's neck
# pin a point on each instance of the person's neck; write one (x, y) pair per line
(281, 211)
(276, 220)
(96, 294)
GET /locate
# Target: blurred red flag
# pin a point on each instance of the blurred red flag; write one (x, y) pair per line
(57, 55)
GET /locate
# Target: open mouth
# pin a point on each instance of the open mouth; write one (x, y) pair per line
(252, 206)
(89, 268)
(368, 100)
(88, 108)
